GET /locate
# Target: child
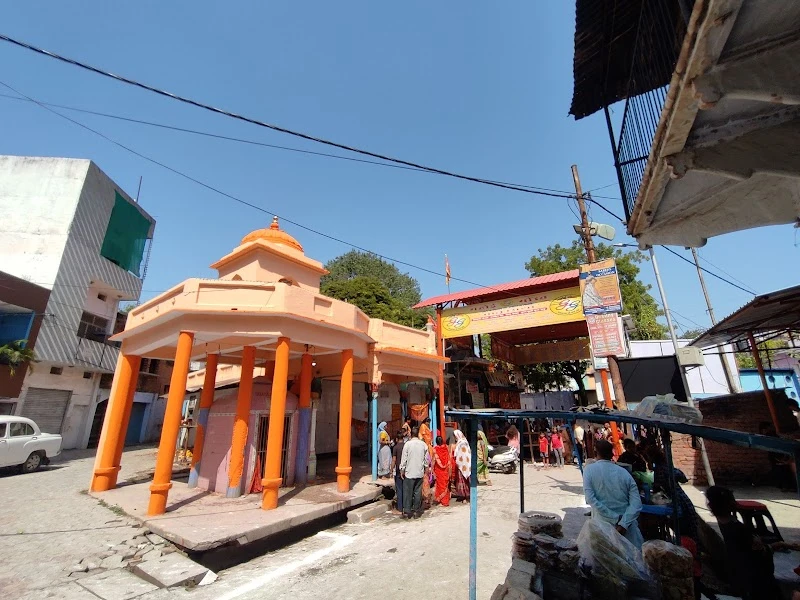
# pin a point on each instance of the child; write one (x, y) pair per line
(544, 449)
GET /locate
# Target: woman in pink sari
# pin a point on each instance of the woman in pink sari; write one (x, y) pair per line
(442, 469)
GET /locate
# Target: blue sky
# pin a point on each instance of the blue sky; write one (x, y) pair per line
(480, 89)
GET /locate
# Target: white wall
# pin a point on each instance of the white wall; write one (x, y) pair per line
(37, 214)
(706, 380)
(102, 308)
(81, 406)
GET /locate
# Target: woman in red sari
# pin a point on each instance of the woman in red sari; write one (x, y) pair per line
(442, 469)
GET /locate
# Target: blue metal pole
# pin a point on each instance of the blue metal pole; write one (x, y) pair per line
(434, 415)
(373, 409)
(473, 511)
(521, 469)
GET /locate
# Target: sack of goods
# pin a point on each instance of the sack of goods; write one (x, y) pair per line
(667, 408)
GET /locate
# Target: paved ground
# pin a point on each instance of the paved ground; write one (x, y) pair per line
(47, 524)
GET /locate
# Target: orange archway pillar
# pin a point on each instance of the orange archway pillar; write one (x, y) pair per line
(112, 436)
(239, 438)
(159, 489)
(345, 422)
(277, 409)
(206, 400)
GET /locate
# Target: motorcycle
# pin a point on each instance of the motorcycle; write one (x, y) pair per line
(503, 459)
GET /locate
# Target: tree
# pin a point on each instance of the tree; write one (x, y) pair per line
(377, 287)
(14, 354)
(402, 286)
(691, 334)
(767, 350)
(636, 298)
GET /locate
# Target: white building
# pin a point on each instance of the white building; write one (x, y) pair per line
(68, 227)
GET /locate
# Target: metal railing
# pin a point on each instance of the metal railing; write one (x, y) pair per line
(662, 27)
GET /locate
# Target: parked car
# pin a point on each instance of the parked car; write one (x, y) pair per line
(23, 445)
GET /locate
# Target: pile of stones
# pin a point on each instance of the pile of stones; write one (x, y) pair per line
(142, 545)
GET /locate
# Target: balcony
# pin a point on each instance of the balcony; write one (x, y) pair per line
(711, 114)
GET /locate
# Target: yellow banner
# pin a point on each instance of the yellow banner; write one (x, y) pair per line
(534, 310)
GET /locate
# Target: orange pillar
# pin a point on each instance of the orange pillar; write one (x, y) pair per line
(106, 464)
(239, 439)
(159, 489)
(269, 369)
(206, 400)
(345, 422)
(610, 404)
(440, 350)
(126, 419)
(277, 410)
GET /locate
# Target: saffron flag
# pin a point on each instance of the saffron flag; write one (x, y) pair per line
(446, 271)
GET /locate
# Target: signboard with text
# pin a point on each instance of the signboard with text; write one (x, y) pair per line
(600, 292)
(546, 308)
(550, 352)
(607, 335)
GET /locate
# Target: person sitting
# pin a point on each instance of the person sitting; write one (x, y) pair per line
(632, 457)
(512, 437)
(751, 568)
(612, 493)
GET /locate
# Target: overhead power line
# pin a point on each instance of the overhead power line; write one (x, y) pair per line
(670, 250)
(265, 144)
(278, 128)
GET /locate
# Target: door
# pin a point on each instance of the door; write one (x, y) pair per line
(19, 434)
(97, 424)
(134, 434)
(4, 458)
(261, 449)
(46, 408)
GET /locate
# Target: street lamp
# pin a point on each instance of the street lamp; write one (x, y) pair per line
(671, 327)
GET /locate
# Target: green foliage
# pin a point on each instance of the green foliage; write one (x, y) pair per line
(691, 334)
(548, 376)
(14, 354)
(376, 287)
(402, 286)
(636, 298)
(767, 350)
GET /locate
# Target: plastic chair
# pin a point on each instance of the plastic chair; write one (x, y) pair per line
(755, 515)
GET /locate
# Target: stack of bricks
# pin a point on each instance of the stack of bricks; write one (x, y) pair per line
(732, 465)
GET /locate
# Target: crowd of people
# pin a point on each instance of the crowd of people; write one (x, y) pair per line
(428, 471)
(614, 491)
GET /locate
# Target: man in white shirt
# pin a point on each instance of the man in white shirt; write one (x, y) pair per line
(413, 466)
(579, 434)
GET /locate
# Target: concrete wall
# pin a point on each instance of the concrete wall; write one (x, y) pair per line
(327, 434)
(38, 199)
(777, 379)
(80, 410)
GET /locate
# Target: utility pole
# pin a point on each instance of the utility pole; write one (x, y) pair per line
(586, 234)
(689, 399)
(731, 380)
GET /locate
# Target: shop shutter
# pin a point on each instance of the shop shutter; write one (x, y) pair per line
(46, 408)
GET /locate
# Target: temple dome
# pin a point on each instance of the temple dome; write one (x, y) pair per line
(273, 235)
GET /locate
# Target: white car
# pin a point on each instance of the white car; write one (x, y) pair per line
(23, 445)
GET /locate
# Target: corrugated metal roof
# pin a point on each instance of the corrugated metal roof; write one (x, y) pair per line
(773, 312)
(622, 50)
(504, 290)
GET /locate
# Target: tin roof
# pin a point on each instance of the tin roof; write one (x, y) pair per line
(522, 287)
(773, 312)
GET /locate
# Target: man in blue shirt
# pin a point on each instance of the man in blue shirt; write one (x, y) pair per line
(612, 493)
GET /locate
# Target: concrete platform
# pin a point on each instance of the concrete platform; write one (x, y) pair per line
(199, 521)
